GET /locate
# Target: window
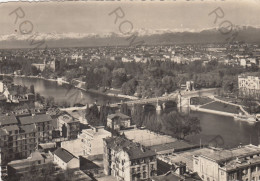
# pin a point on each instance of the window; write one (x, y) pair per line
(133, 170)
(253, 179)
(144, 175)
(138, 169)
(39, 162)
(196, 162)
(151, 166)
(144, 167)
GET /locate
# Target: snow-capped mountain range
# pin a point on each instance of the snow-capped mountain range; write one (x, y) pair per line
(161, 36)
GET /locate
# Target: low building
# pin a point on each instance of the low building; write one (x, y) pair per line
(127, 160)
(92, 140)
(242, 163)
(178, 173)
(118, 121)
(65, 160)
(68, 126)
(37, 159)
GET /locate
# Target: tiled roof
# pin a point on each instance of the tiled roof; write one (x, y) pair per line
(5, 120)
(35, 119)
(175, 146)
(28, 128)
(64, 155)
(134, 150)
(11, 128)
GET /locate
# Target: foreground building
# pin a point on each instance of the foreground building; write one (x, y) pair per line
(17, 142)
(127, 160)
(65, 160)
(241, 163)
(36, 159)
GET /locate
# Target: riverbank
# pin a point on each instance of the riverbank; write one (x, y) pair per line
(224, 108)
(198, 108)
(60, 82)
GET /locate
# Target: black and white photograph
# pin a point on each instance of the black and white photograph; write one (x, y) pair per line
(130, 90)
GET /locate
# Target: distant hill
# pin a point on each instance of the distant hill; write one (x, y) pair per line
(247, 34)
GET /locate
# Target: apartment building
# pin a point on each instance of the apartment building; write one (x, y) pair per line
(17, 142)
(43, 124)
(127, 160)
(92, 140)
(241, 163)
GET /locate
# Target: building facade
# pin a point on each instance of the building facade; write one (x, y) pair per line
(17, 142)
(92, 140)
(127, 160)
(241, 164)
(68, 126)
(118, 121)
(65, 160)
(249, 86)
(43, 124)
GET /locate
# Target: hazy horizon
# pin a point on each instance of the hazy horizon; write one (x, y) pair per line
(93, 17)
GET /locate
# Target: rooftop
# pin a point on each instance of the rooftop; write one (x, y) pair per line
(134, 150)
(186, 156)
(148, 138)
(35, 119)
(224, 155)
(11, 128)
(178, 145)
(64, 155)
(67, 118)
(6, 120)
(28, 128)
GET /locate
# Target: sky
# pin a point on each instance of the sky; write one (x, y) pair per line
(93, 17)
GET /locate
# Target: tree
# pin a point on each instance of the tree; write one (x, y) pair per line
(32, 89)
(129, 87)
(138, 115)
(180, 125)
(124, 109)
(118, 77)
(92, 115)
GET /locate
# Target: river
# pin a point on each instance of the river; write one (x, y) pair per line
(64, 92)
(233, 132)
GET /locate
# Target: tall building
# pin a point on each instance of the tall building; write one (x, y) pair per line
(92, 140)
(241, 163)
(43, 124)
(17, 142)
(127, 160)
(249, 85)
